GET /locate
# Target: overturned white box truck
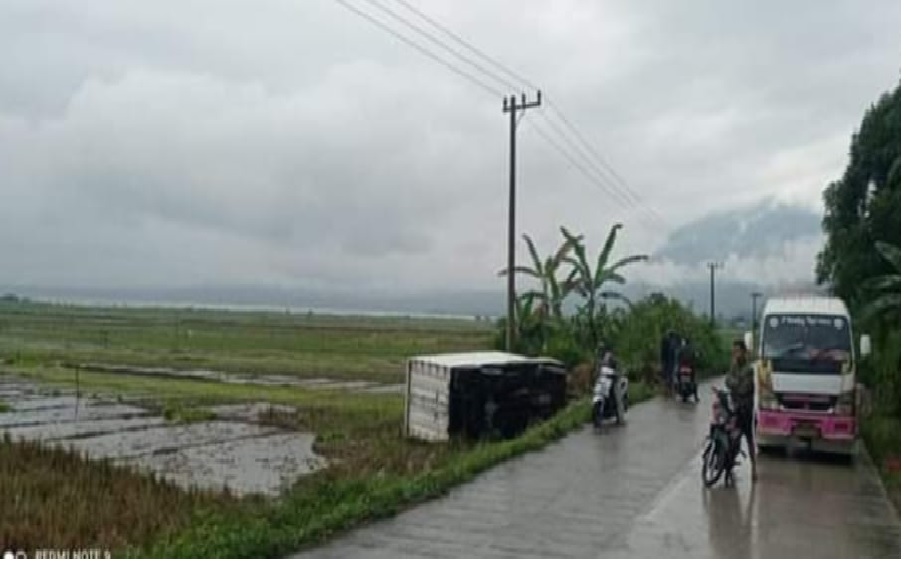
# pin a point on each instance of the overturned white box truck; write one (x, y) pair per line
(480, 394)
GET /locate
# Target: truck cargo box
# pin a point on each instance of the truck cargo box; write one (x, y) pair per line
(480, 394)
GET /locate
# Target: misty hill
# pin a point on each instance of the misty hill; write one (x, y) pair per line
(755, 231)
(732, 298)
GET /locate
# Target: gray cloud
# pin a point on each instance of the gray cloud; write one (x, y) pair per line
(293, 143)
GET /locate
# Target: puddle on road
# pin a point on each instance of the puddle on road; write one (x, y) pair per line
(234, 451)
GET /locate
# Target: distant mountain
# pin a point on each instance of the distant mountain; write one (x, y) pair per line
(756, 241)
(465, 302)
(752, 232)
(731, 297)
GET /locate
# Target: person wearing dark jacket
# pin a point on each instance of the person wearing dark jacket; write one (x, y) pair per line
(668, 359)
(740, 381)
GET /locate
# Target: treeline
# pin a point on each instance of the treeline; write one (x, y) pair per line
(861, 263)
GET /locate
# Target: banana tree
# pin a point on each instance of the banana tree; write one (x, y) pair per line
(530, 325)
(591, 278)
(552, 291)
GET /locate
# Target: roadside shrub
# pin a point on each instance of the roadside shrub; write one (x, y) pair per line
(637, 334)
(564, 347)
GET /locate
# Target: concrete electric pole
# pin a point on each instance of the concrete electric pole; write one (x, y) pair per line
(713, 266)
(510, 106)
(755, 297)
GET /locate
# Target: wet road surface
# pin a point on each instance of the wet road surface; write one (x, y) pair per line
(635, 491)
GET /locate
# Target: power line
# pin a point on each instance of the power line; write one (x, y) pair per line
(628, 197)
(600, 159)
(618, 189)
(600, 179)
(419, 48)
(439, 43)
(591, 164)
(452, 35)
(623, 185)
(595, 180)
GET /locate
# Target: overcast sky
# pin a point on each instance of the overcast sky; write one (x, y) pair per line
(294, 143)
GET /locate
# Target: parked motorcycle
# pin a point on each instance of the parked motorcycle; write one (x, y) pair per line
(723, 442)
(611, 395)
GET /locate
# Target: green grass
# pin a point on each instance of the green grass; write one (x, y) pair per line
(54, 498)
(182, 413)
(368, 348)
(881, 435)
(201, 392)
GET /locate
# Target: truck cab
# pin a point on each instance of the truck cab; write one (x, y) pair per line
(805, 375)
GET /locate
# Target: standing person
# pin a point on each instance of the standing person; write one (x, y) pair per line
(668, 357)
(740, 382)
(678, 343)
(687, 358)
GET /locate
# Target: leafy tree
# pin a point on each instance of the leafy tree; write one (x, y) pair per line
(863, 206)
(862, 224)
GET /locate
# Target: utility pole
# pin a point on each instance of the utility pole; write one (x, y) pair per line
(755, 296)
(713, 266)
(510, 106)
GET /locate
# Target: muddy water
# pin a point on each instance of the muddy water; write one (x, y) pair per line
(44, 403)
(244, 378)
(83, 428)
(85, 411)
(262, 465)
(165, 439)
(234, 451)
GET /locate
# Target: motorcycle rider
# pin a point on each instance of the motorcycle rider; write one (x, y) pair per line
(610, 360)
(740, 381)
(607, 358)
(686, 358)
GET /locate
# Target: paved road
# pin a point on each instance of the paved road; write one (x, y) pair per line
(635, 491)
